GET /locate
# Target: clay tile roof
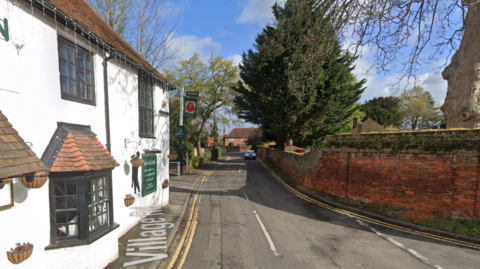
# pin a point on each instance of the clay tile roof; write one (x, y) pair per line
(244, 132)
(75, 148)
(16, 158)
(83, 13)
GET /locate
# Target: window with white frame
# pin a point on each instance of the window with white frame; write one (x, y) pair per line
(231, 139)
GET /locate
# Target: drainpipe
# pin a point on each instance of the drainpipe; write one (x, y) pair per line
(105, 89)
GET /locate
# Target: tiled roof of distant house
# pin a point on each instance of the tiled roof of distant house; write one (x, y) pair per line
(84, 14)
(78, 150)
(16, 158)
(244, 132)
(369, 126)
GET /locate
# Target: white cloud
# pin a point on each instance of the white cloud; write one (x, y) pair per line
(379, 85)
(257, 12)
(174, 9)
(191, 43)
(237, 58)
(225, 32)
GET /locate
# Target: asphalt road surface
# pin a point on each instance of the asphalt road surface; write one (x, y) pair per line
(243, 217)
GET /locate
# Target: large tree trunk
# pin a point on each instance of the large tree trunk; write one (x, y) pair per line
(462, 103)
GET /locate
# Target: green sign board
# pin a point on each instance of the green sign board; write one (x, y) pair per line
(4, 30)
(181, 132)
(193, 93)
(149, 174)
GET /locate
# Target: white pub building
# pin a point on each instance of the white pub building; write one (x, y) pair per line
(77, 103)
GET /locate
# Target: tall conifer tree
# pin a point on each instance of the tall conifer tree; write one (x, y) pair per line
(298, 83)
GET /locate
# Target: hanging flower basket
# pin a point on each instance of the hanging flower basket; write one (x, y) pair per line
(38, 180)
(137, 162)
(20, 253)
(129, 200)
(172, 157)
(165, 184)
(164, 103)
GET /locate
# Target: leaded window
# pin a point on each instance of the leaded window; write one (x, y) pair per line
(145, 104)
(98, 203)
(76, 72)
(80, 206)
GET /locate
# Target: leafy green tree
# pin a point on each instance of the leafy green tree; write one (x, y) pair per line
(213, 81)
(418, 109)
(297, 84)
(384, 110)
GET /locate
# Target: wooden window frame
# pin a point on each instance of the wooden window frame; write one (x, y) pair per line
(84, 236)
(76, 97)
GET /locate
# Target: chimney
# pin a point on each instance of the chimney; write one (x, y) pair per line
(359, 128)
(355, 120)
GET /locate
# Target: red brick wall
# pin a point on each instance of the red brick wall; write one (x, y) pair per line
(433, 182)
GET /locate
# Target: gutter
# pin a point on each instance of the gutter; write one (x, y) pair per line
(105, 90)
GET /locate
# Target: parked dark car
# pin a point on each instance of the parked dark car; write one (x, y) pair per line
(250, 154)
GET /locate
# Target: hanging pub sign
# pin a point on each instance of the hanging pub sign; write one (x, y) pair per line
(149, 174)
(190, 107)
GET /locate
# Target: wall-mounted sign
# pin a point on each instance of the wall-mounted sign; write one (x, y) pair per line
(190, 107)
(149, 175)
(211, 141)
(4, 29)
(181, 132)
(6, 194)
(163, 113)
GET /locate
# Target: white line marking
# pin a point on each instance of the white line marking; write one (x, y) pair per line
(398, 244)
(361, 223)
(416, 254)
(146, 239)
(145, 244)
(377, 232)
(269, 239)
(130, 249)
(149, 248)
(438, 267)
(245, 195)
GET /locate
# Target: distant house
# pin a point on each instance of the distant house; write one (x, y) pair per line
(239, 136)
(368, 126)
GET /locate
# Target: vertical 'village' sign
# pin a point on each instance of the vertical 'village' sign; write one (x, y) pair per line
(149, 174)
(4, 29)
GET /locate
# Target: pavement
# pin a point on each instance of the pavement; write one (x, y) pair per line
(145, 245)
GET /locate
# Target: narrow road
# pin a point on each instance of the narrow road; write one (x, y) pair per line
(242, 217)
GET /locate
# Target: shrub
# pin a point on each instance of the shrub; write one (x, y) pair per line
(231, 144)
(216, 153)
(196, 161)
(207, 155)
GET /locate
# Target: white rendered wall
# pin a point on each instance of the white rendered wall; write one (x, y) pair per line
(30, 98)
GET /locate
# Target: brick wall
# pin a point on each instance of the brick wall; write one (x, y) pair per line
(435, 171)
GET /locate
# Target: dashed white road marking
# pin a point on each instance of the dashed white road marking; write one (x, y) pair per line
(398, 244)
(377, 232)
(244, 193)
(418, 255)
(267, 235)
(438, 267)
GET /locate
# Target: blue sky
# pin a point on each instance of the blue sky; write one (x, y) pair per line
(229, 28)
